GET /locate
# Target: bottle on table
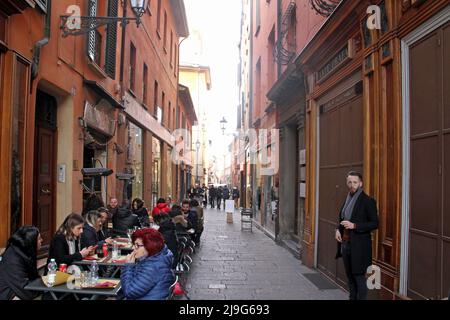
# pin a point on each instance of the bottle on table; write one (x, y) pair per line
(115, 250)
(94, 272)
(51, 274)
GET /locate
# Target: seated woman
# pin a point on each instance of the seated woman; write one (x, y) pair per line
(148, 274)
(92, 226)
(18, 264)
(167, 229)
(138, 209)
(65, 246)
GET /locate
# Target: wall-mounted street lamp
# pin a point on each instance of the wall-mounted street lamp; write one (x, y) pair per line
(76, 25)
(223, 124)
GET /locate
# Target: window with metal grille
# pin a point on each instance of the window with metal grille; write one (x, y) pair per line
(145, 85)
(92, 11)
(42, 4)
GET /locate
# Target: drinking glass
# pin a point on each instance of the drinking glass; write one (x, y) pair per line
(85, 279)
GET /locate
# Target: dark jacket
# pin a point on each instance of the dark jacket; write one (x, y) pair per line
(124, 220)
(212, 192)
(59, 250)
(89, 237)
(226, 193)
(142, 214)
(192, 219)
(235, 193)
(149, 278)
(16, 272)
(366, 219)
(168, 230)
(219, 193)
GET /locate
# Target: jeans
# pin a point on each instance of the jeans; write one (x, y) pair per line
(356, 282)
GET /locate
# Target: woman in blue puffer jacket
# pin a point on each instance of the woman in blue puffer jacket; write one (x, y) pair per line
(148, 274)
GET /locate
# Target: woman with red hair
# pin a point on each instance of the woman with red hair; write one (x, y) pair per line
(148, 274)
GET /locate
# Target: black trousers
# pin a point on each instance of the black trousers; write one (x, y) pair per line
(219, 201)
(357, 283)
(211, 201)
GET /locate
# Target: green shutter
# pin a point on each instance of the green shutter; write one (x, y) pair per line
(111, 40)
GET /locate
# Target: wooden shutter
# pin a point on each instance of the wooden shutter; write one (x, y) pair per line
(111, 40)
(92, 8)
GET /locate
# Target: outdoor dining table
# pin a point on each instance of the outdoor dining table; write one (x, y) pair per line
(107, 261)
(93, 293)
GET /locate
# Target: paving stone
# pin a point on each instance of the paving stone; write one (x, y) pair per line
(230, 264)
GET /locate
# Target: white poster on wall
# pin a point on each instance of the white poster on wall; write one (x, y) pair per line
(302, 190)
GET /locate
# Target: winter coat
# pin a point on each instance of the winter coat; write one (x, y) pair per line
(16, 272)
(59, 250)
(124, 220)
(212, 192)
(200, 218)
(142, 214)
(366, 219)
(226, 193)
(160, 208)
(168, 230)
(89, 237)
(150, 278)
(235, 193)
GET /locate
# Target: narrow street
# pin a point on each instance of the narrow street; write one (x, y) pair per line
(239, 265)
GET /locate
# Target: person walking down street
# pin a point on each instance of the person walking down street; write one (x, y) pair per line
(226, 195)
(357, 219)
(219, 196)
(205, 195)
(212, 196)
(235, 195)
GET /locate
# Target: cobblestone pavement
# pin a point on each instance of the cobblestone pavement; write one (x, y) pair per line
(240, 265)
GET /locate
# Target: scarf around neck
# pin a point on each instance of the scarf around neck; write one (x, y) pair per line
(347, 210)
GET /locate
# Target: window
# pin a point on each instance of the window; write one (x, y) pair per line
(163, 106)
(92, 37)
(42, 4)
(177, 120)
(270, 58)
(156, 177)
(169, 117)
(135, 159)
(19, 103)
(171, 48)
(155, 99)
(132, 67)
(158, 19)
(258, 17)
(165, 32)
(258, 88)
(111, 40)
(145, 85)
(175, 60)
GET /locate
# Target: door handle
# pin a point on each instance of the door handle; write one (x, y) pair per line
(45, 191)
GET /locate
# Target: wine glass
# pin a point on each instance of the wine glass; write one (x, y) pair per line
(130, 233)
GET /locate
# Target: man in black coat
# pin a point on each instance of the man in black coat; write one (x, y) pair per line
(212, 196)
(219, 195)
(357, 219)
